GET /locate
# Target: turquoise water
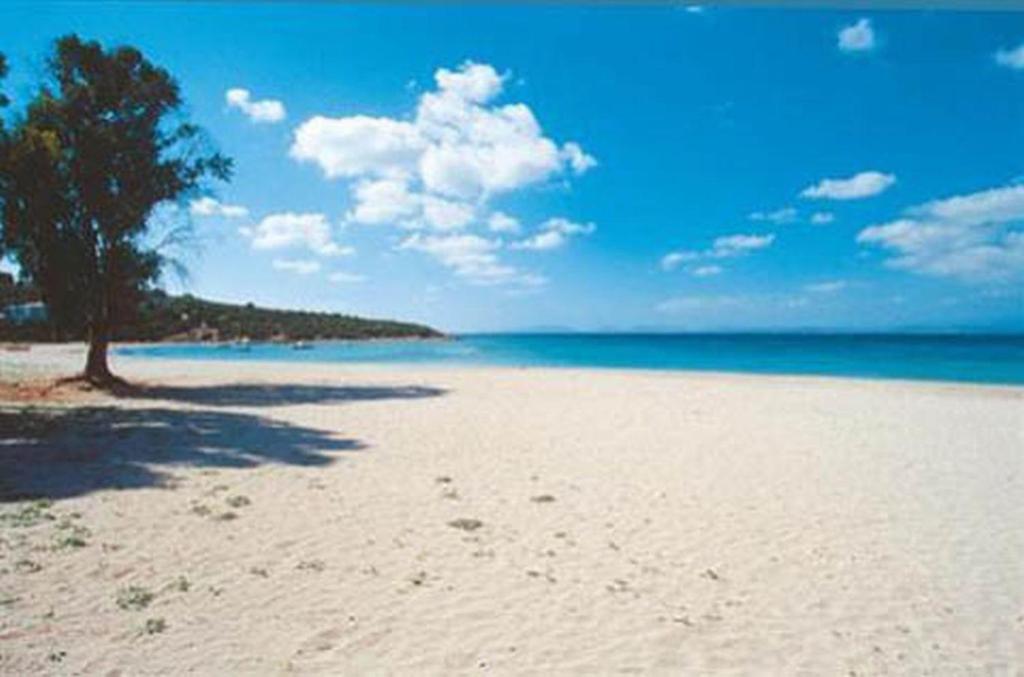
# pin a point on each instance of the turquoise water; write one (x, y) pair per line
(979, 359)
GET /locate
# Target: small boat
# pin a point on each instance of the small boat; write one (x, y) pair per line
(301, 345)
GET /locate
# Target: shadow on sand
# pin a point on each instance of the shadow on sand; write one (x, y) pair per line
(274, 395)
(58, 455)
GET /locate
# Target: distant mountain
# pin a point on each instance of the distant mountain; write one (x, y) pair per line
(162, 317)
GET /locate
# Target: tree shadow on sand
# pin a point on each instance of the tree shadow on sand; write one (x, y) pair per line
(273, 395)
(47, 453)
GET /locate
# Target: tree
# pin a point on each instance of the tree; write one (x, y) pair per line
(3, 142)
(101, 147)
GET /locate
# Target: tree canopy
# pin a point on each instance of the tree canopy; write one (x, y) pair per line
(101, 146)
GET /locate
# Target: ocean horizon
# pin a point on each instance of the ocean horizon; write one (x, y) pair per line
(969, 358)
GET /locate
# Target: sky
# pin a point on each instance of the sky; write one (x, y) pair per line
(602, 168)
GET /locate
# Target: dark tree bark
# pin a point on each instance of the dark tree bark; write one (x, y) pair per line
(96, 368)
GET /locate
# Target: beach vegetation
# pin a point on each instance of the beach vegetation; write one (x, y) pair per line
(134, 598)
(90, 175)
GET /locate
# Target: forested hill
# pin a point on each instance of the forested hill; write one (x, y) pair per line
(162, 317)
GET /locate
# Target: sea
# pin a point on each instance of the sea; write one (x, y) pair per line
(973, 358)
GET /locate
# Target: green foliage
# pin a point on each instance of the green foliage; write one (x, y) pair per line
(134, 598)
(184, 317)
(97, 151)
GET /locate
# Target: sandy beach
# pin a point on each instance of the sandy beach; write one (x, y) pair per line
(320, 519)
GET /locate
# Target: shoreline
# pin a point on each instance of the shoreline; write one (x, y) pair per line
(51, 350)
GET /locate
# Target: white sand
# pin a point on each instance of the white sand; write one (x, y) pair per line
(701, 524)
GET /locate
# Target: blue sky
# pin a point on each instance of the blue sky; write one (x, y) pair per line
(503, 167)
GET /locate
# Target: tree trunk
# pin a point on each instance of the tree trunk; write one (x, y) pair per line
(96, 368)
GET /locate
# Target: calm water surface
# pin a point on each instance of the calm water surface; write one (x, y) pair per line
(980, 359)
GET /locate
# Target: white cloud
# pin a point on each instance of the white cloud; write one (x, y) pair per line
(267, 110)
(438, 168)
(706, 271)
(297, 266)
(459, 144)
(553, 234)
(544, 241)
(359, 146)
(1011, 58)
(383, 201)
(471, 257)
(974, 237)
(499, 222)
(207, 206)
(474, 82)
(827, 287)
(724, 247)
(821, 218)
(996, 205)
(673, 260)
(288, 229)
(389, 201)
(864, 184)
(578, 159)
(858, 37)
(444, 214)
(784, 215)
(730, 246)
(342, 277)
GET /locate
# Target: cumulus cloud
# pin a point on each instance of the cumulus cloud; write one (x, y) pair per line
(359, 146)
(266, 110)
(471, 257)
(499, 222)
(553, 234)
(784, 215)
(1011, 58)
(208, 206)
(974, 238)
(724, 247)
(459, 144)
(730, 246)
(297, 266)
(864, 184)
(706, 271)
(290, 230)
(821, 218)
(437, 169)
(858, 37)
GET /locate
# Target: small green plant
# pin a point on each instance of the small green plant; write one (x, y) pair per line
(29, 514)
(238, 501)
(226, 516)
(543, 498)
(466, 524)
(259, 571)
(27, 566)
(200, 509)
(69, 542)
(311, 565)
(57, 656)
(134, 598)
(182, 584)
(154, 626)
(70, 535)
